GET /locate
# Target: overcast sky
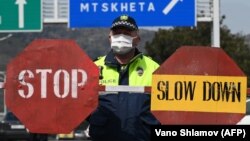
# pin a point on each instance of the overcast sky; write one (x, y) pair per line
(237, 15)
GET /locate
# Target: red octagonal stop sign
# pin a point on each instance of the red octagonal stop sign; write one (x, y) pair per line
(51, 86)
(199, 85)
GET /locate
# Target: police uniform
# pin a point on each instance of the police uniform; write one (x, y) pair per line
(123, 116)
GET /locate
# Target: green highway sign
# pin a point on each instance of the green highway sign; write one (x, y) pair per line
(20, 15)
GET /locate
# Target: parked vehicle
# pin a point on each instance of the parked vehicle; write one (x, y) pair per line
(12, 129)
(80, 133)
(246, 120)
(69, 136)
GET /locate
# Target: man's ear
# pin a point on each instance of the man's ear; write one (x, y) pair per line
(137, 40)
(110, 37)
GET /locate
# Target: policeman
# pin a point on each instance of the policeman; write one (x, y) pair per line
(123, 116)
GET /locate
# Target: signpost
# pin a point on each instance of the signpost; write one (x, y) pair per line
(98, 13)
(51, 86)
(199, 85)
(20, 15)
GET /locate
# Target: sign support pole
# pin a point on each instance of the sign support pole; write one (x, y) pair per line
(216, 24)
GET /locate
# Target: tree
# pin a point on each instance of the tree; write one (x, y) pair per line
(166, 42)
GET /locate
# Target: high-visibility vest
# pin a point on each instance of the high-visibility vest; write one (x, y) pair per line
(140, 72)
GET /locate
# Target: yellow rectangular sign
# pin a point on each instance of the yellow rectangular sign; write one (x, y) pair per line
(225, 94)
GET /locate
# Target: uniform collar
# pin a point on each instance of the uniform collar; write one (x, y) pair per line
(110, 59)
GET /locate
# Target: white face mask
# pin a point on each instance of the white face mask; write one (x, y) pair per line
(121, 44)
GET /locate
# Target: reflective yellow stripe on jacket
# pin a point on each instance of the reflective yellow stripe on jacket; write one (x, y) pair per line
(140, 72)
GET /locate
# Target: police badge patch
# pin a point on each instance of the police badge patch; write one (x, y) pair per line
(140, 71)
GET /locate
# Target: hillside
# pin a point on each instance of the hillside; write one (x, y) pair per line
(94, 41)
(248, 39)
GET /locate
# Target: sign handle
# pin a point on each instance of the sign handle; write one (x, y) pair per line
(138, 89)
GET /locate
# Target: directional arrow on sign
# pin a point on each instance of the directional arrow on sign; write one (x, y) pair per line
(20, 16)
(21, 4)
(170, 6)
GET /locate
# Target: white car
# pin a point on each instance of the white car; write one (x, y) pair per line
(246, 120)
